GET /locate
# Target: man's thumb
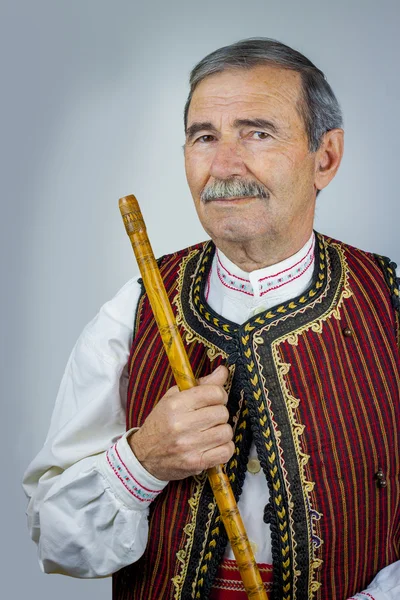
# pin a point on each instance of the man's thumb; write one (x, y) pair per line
(217, 377)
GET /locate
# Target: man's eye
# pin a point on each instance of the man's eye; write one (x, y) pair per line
(204, 139)
(260, 135)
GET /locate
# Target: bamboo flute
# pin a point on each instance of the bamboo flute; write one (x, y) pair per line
(185, 379)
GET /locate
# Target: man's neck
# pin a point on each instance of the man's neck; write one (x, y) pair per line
(255, 254)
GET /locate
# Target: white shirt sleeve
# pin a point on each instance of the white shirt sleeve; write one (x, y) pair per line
(88, 495)
(385, 586)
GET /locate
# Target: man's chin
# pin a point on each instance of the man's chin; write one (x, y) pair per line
(234, 231)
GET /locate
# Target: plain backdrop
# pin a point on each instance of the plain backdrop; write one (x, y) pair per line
(92, 93)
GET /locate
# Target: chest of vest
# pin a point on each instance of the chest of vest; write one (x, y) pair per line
(315, 383)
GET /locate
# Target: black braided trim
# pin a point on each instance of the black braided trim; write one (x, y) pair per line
(389, 271)
(236, 471)
(267, 453)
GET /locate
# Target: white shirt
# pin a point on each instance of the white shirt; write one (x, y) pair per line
(88, 494)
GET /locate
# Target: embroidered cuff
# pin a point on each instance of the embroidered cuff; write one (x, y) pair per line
(127, 477)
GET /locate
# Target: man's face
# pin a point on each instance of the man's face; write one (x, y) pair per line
(244, 125)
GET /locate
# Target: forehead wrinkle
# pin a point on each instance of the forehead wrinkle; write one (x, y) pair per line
(240, 98)
(256, 104)
(216, 103)
(263, 87)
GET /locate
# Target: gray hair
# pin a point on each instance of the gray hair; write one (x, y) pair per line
(319, 107)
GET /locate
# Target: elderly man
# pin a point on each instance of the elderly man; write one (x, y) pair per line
(295, 338)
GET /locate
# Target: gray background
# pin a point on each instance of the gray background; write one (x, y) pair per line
(91, 109)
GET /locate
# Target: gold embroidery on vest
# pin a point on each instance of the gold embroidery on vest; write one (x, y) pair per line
(189, 529)
(189, 334)
(307, 487)
(343, 291)
(199, 581)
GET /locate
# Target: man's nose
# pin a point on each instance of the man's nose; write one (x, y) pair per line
(227, 161)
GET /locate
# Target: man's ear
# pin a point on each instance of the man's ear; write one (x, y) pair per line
(328, 157)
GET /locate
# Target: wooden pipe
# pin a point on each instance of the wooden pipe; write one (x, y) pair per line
(185, 380)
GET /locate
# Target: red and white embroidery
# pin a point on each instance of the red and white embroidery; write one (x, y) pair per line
(270, 282)
(133, 486)
(228, 580)
(233, 282)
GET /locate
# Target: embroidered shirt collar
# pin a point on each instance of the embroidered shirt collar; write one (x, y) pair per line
(262, 282)
(239, 295)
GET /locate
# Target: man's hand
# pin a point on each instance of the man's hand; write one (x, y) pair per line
(186, 432)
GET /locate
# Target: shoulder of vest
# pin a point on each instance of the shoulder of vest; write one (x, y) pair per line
(389, 272)
(386, 265)
(177, 256)
(347, 247)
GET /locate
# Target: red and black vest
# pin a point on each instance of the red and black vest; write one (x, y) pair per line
(315, 383)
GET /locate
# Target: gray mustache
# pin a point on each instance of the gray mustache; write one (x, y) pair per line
(233, 188)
